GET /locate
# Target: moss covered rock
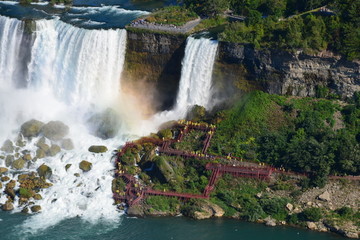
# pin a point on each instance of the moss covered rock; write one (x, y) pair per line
(8, 146)
(18, 163)
(165, 134)
(31, 128)
(26, 193)
(85, 166)
(55, 130)
(98, 149)
(197, 113)
(44, 171)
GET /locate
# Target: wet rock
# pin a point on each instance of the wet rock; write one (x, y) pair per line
(85, 166)
(67, 144)
(55, 130)
(77, 174)
(18, 163)
(36, 208)
(9, 189)
(40, 153)
(44, 171)
(350, 234)
(8, 146)
(27, 157)
(8, 206)
(67, 166)
(22, 177)
(269, 221)
(20, 142)
(9, 160)
(42, 144)
(37, 196)
(325, 197)
(105, 125)
(98, 149)
(3, 170)
(5, 179)
(25, 210)
(54, 149)
(289, 207)
(31, 128)
(0, 187)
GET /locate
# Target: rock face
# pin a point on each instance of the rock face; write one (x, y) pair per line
(55, 130)
(85, 166)
(98, 149)
(279, 72)
(31, 128)
(152, 67)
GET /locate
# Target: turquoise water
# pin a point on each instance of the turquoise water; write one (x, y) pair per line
(157, 229)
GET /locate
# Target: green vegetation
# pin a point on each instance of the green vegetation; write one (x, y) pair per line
(295, 133)
(162, 204)
(287, 24)
(175, 15)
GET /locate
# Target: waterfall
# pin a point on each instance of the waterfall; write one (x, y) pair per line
(65, 73)
(195, 82)
(196, 72)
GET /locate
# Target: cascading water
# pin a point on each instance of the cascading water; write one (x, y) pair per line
(68, 72)
(195, 82)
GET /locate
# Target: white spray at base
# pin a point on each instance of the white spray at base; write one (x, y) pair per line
(70, 72)
(195, 82)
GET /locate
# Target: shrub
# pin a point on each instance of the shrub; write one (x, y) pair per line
(312, 214)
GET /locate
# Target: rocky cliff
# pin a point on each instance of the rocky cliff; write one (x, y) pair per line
(153, 67)
(281, 72)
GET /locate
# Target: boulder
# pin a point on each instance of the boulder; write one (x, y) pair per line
(53, 150)
(27, 157)
(85, 166)
(44, 171)
(289, 207)
(9, 160)
(55, 130)
(41, 144)
(37, 196)
(31, 128)
(105, 125)
(8, 146)
(207, 210)
(35, 208)
(311, 225)
(20, 142)
(25, 210)
(40, 153)
(18, 163)
(26, 193)
(136, 211)
(67, 144)
(98, 149)
(325, 197)
(3, 170)
(269, 221)
(9, 189)
(8, 206)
